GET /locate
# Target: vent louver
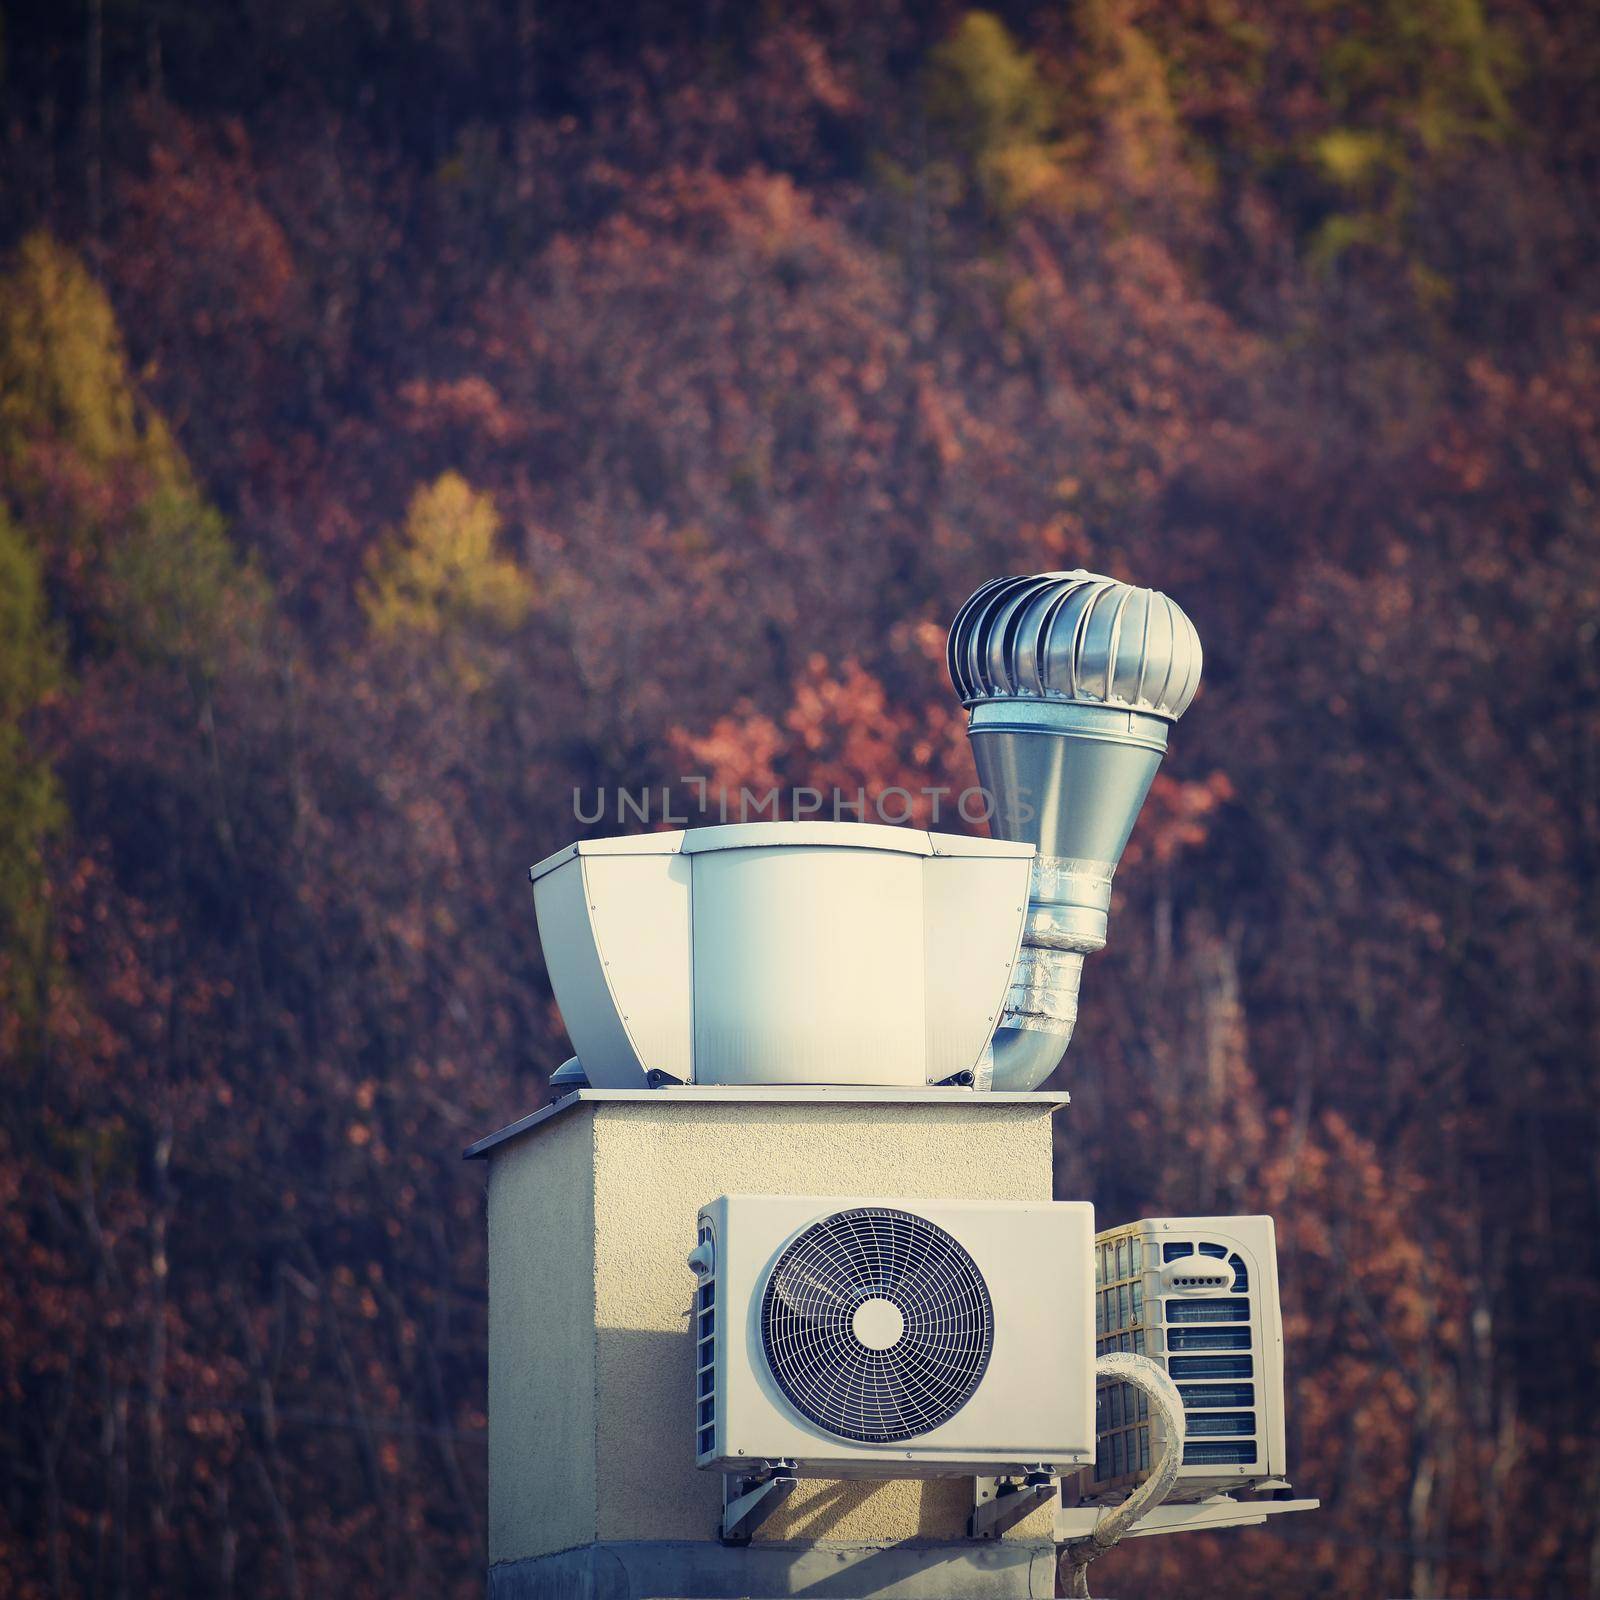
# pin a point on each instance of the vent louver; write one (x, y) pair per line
(876, 1325)
(705, 1355)
(1192, 1334)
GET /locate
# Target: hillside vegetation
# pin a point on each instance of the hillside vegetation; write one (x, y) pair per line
(414, 411)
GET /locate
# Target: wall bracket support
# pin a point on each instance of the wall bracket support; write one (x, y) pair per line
(1001, 1503)
(749, 1498)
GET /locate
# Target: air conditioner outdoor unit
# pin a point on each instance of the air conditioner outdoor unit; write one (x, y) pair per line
(1199, 1295)
(893, 1338)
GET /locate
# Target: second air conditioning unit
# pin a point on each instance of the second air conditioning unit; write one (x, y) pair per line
(893, 1338)
(1199, 1295)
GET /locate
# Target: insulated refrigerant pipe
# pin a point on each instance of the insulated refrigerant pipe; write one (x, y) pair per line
(1167, 1404)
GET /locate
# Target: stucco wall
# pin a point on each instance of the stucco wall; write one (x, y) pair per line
(630, 1177)
(541, 1342)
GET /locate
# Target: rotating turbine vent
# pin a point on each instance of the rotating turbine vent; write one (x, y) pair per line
(1071, 681)
(877, 1325)
(1075, 636)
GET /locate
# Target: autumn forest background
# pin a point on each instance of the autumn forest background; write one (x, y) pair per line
(414, 410)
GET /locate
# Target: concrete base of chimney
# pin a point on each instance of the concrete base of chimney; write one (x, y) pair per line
(592, 1206)
(692, 1570)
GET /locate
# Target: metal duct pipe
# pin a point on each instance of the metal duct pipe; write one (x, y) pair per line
(1071, 681)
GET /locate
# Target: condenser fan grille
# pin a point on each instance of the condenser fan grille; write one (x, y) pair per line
(876, 1325)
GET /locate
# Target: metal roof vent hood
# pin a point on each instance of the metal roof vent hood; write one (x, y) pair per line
(782, 953)
(1071, 681)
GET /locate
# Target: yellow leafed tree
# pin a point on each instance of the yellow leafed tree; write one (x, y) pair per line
(441, 572)
(30, 801)
(986, 95)
(64, 370)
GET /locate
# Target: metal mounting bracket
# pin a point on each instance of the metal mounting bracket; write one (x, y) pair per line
(749, 1498)
(1192, 1516)
(1001, 1503)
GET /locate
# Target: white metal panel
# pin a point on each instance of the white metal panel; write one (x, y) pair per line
(973, 912)
(577, 973)
(840, 836)
(833, 835)
(625, 844)
(808, 966)
(639, 907)
(961, 844)
(1255, 1239)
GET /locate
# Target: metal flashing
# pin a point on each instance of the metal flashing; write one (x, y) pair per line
(623, 844)
(817, 1094)
(831, 835)
(759, 835)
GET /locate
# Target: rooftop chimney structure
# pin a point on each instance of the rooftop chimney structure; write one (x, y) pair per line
(782, 1300)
